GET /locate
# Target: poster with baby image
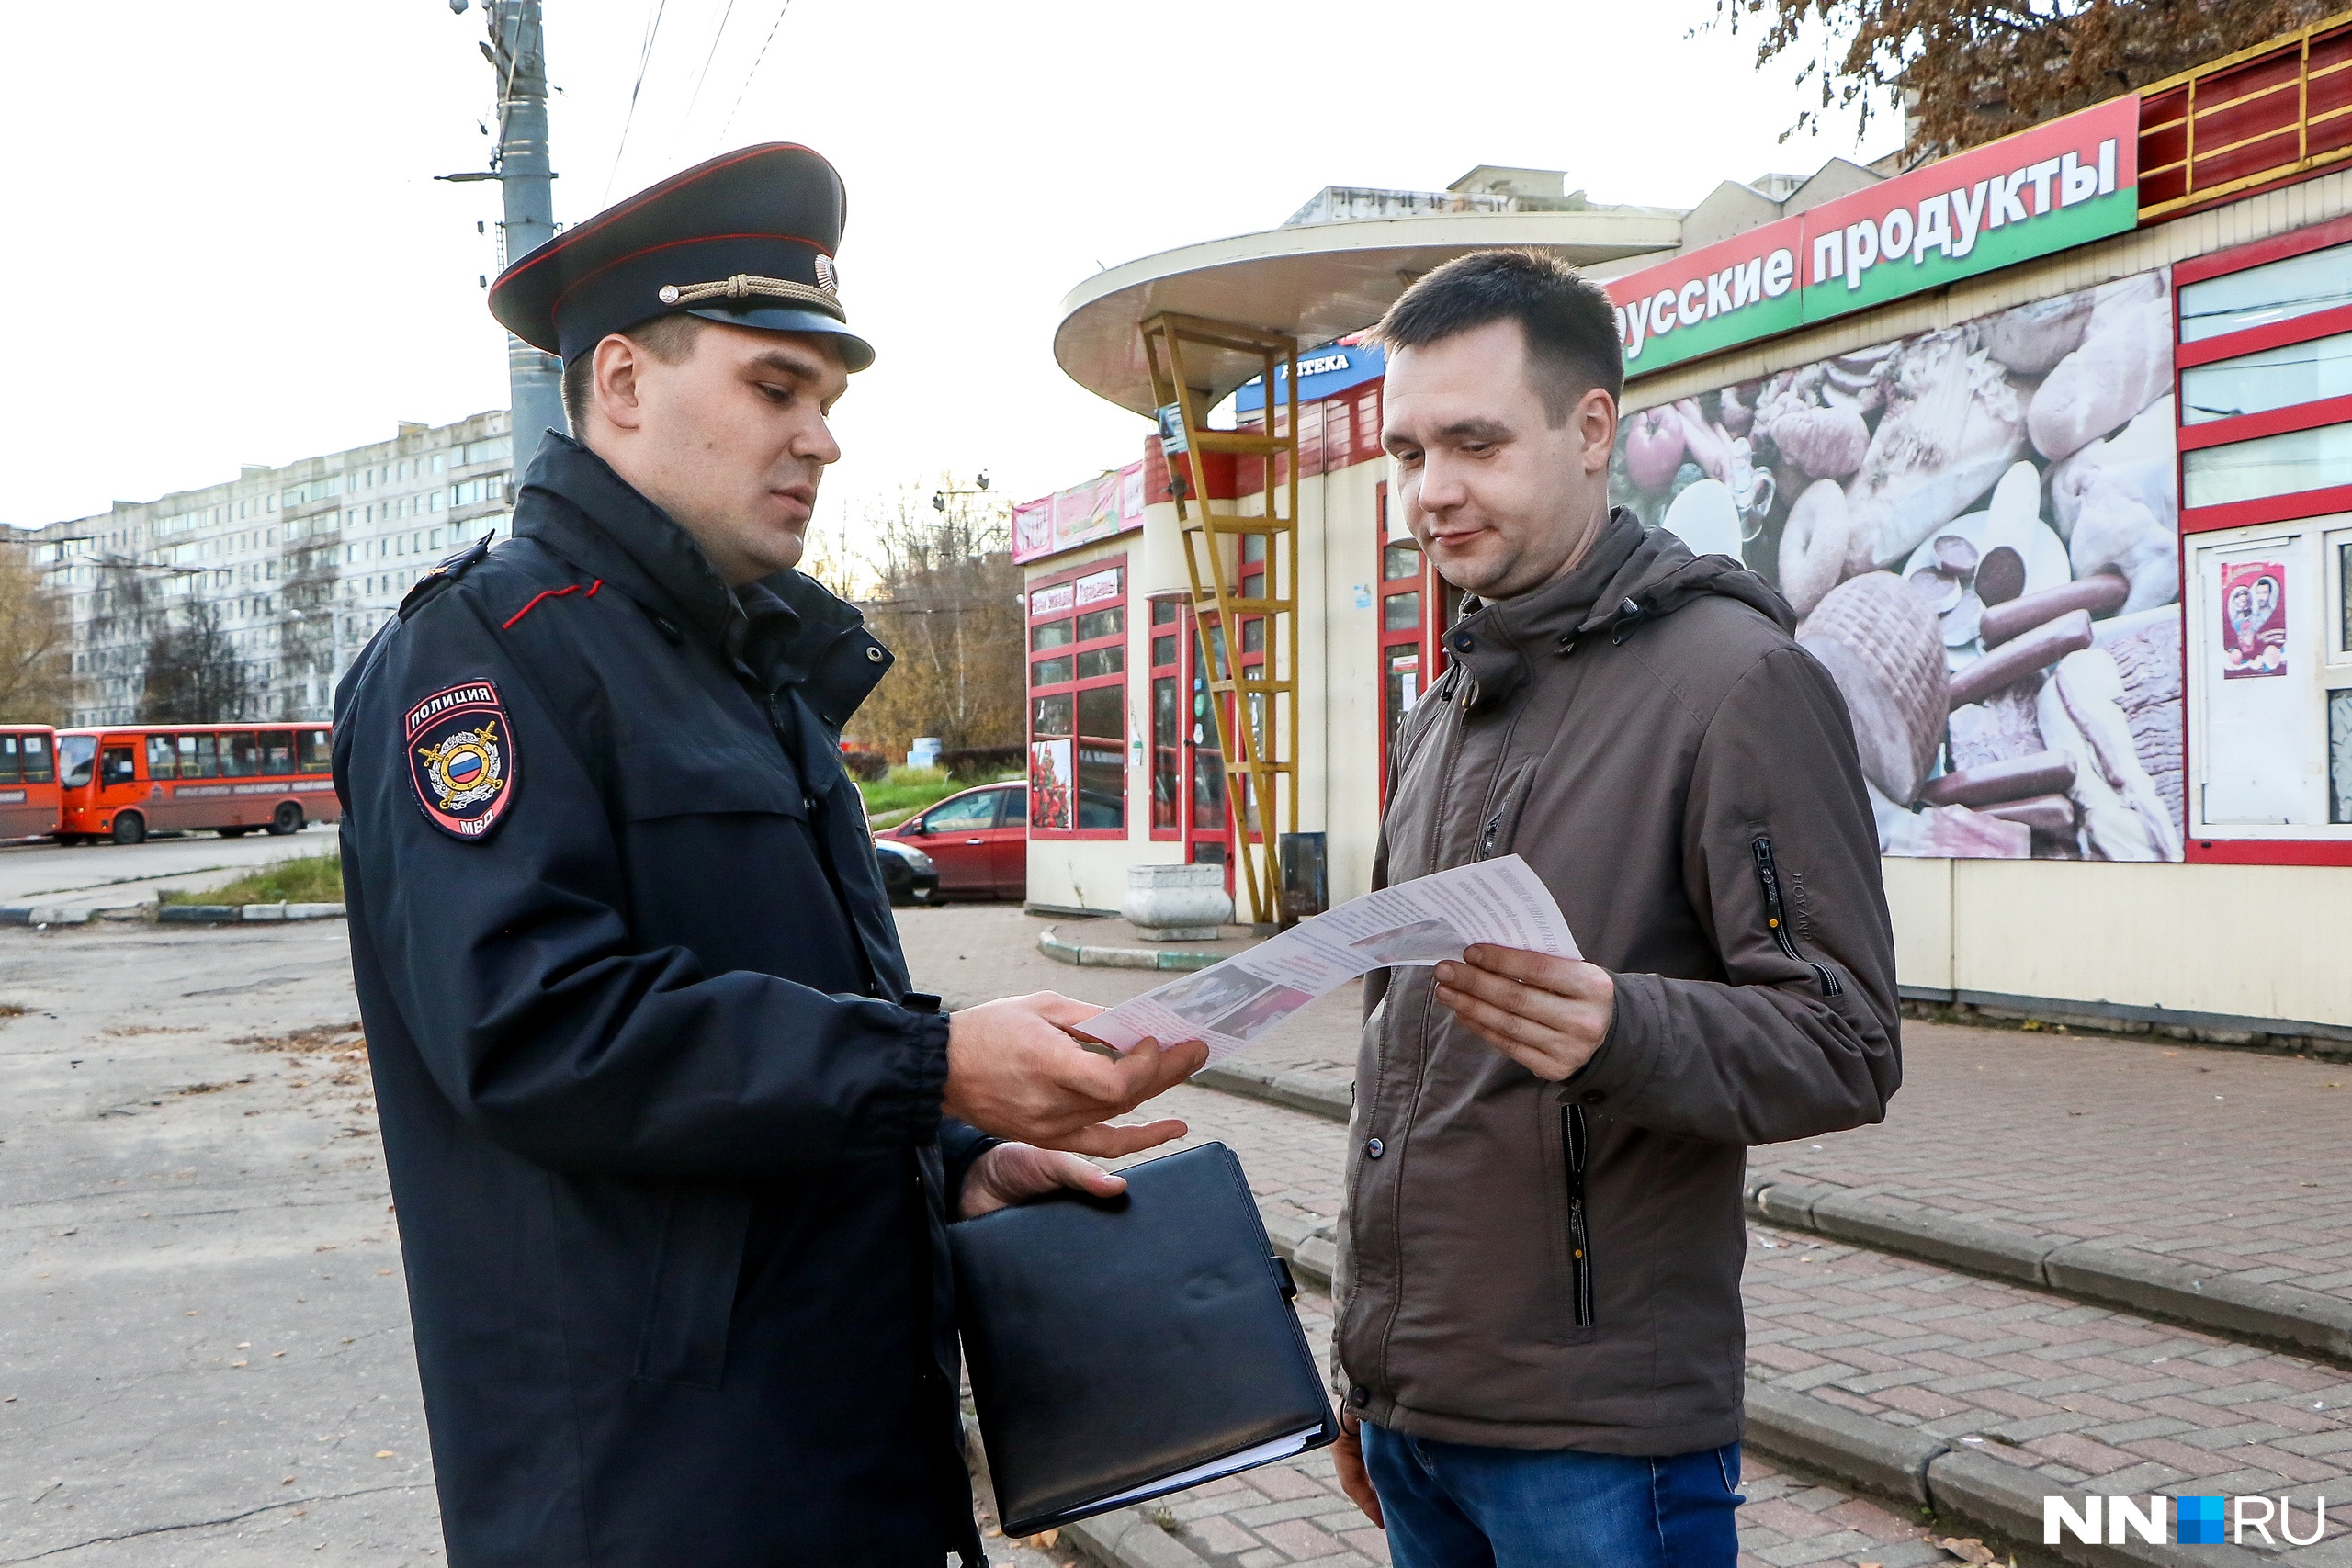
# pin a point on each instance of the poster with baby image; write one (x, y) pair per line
(2254, 619)
(1979, 527)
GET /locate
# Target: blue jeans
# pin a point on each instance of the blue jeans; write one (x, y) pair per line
(1453, 1506)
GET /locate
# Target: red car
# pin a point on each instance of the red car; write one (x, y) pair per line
(979, 838)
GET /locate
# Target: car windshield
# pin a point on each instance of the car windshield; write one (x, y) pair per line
(76, 752)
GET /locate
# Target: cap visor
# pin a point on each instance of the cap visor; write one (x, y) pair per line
(856, 353)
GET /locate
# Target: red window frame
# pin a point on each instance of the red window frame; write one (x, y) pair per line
(2291, 507)
(1397, 644)
(1109, 648)
(1165, 630)
(2187, 356)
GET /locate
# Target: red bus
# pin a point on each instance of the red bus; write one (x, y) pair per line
(28, 799)
(125, 780)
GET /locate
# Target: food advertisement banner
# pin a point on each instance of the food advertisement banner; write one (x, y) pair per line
(1100, 508)
(2042, 190)
(1979, 527)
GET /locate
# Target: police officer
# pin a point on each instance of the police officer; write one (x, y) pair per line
(673, 1143)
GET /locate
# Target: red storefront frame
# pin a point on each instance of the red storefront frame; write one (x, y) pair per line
(2287, 508)
(1072, 663)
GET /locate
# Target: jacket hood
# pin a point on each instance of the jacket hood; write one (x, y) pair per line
(1630, 577)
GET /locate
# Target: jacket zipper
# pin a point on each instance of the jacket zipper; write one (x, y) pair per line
(1573, 1140)
(1769, 874)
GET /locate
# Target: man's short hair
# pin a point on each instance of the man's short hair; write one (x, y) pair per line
(670, 339)
(1569, 321)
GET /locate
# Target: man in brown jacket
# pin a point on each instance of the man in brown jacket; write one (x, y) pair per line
(1540, 1327)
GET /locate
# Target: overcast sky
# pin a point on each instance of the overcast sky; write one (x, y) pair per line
(225, 246)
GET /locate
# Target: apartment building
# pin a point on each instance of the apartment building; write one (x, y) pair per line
(262, 589)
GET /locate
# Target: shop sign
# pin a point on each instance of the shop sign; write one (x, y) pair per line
(2040, 191)
(1098, 588)
(1323, 373)
(1102, 507)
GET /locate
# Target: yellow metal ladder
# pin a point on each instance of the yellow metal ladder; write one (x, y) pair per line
(1256, 708)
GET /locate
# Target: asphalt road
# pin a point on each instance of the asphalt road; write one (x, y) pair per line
(204, 1353)
(101, 875)
(204, 1343)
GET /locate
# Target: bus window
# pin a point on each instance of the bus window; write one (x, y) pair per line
(159, 756)
(199, 758)
(75, 753)
(277, 751)
(318, 751)
(240, 754)
(37, 767)
(121, 766)
(11, 763)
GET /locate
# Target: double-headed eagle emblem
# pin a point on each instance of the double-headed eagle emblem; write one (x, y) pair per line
(466, 768)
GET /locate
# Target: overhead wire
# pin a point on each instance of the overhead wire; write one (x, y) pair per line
(704, 75)
(757, 61)
(644, 55)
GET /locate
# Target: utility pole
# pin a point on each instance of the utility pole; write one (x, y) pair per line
(518, 51)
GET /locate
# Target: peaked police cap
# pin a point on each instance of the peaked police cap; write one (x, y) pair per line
(747, 238)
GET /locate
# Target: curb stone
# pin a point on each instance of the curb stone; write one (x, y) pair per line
(229, 914)
(2305, 1322)
(2005, 1499)
(45, 915)
(1125, 1537)
(1061, 952)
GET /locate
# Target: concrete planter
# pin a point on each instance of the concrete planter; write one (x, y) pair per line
(1176, 903)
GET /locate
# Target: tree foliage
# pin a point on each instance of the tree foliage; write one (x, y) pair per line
(944, 598)
(194, 676)
(1969, 71)
(36, 669)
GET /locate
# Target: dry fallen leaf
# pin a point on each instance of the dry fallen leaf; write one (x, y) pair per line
(1969, 1549)
(383, 1453)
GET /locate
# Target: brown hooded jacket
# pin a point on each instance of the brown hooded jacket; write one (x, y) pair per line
(1540, 1265)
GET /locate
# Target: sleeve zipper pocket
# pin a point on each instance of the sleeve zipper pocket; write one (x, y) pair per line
(1767, 873)
(1573, 1141)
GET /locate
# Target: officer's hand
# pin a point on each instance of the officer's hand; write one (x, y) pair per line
(1015, 1173)
(1013, 1071)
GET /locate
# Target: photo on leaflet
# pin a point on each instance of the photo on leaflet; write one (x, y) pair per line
(1423, 941)
(1211, 993)
(1253, 1018)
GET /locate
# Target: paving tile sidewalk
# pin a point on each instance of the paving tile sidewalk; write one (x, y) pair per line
(2085, 1397)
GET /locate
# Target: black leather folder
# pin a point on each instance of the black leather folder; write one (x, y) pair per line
(1126, 1348)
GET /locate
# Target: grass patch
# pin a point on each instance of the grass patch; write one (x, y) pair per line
(310, 879)
(903, 791)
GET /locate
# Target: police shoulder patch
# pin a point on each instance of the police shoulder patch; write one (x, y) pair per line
(461, 759)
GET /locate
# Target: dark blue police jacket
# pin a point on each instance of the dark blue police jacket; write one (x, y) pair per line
(661, 1114)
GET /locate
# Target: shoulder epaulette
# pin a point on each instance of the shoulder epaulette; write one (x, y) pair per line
(453, 566)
